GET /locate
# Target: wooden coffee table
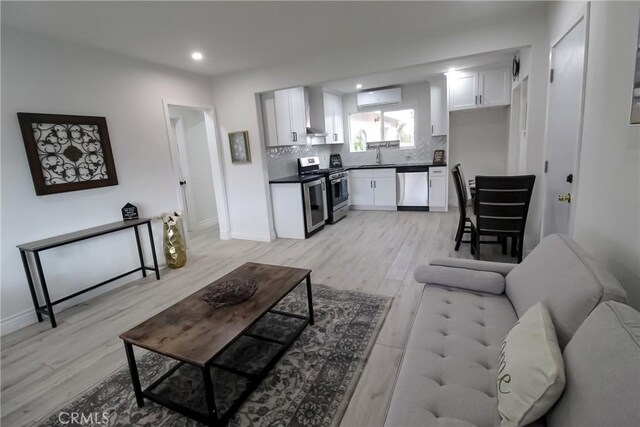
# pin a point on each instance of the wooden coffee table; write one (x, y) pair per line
(194, 333)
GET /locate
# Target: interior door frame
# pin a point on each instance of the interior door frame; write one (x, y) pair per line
(184, 173)
(582, 15)
(215, 159)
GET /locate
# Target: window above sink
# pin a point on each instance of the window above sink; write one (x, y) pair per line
(366, 127)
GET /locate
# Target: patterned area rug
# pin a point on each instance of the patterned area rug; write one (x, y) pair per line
(309, 386)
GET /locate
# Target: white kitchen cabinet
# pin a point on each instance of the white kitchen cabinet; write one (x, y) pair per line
(325, 113)
(373, 189)
(495, 87)
(439, 107)
(291, 116)
(479, 89)
(438, 189)
(463, 90)
(267, 101)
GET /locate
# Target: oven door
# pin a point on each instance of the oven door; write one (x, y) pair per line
(339, 192)
(315, 205)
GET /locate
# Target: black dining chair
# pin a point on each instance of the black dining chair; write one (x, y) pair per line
(464, 222)
(501, 205)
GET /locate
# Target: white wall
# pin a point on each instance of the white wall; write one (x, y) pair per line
(234, 97)
(607, 210)
(479, 142)
(200, 177)
(43, 75)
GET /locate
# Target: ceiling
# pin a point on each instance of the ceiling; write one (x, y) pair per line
(237, 36)
(419, 73)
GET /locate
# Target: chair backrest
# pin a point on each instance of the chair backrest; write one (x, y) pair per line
(502, 203)
(457, 180)
(464, 182)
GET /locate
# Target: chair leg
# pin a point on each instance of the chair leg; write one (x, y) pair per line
(460, 232)
(476, 243)
(514, 246)
(503, 241)
(520, 248)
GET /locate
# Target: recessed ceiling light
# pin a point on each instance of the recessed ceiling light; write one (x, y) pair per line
(197, 56)
(359, 86)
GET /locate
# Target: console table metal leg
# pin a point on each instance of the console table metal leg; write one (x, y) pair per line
(45, 291)
(310, 300)
(144, 270)
(133, 370)
(32, 289)
(153, 251)
(208, 394)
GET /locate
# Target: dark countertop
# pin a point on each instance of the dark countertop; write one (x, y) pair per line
(295, 179)
(401, 166)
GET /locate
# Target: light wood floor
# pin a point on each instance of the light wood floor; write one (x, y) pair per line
(374, 252)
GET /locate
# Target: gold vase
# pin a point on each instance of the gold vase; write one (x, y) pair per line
(175, 251)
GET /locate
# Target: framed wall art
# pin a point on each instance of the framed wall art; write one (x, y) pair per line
(438, 157)
(239, 147)
(635, 96)
(67, 153)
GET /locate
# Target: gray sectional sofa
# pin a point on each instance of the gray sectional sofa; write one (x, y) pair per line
(449, 371)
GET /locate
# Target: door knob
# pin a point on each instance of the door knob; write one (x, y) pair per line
(564, 198)
(183, 182)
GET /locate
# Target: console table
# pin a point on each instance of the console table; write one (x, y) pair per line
(53, 242)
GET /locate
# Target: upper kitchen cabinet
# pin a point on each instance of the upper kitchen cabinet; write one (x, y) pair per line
(291, 116)
(439, 108)
(326, 114)
(479, 89)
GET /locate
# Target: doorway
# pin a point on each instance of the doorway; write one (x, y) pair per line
(196, 167)
(564, 128)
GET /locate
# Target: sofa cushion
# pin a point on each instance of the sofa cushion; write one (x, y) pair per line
(602, 363)
(566, 279)
(461, 278)
(530, 369)
(449, 371)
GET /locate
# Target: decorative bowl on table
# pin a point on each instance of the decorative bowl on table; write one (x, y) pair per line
(229, 292)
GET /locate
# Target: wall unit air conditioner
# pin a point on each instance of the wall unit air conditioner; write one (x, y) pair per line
(379, 97)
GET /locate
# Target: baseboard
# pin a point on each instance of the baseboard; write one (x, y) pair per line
(18, 321)
(247, 235)
(208, 222)
(372, 208)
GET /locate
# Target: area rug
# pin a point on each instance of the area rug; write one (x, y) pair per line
(309, 386)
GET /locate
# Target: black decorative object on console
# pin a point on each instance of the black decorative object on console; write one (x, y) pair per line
(129, 211)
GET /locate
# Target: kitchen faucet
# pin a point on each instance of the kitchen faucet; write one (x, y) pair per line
(378, 155)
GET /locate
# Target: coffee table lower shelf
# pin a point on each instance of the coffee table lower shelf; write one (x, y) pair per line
(214, 417)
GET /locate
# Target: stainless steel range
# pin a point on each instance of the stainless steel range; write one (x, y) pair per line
(337, 180)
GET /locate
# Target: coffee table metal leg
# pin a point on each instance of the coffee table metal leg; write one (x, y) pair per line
(310, 300)
(208, 394)
(133, 370)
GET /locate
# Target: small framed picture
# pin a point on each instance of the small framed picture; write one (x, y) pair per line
(635, 95)
(438, 156)
(239, 146)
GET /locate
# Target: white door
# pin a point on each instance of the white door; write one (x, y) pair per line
(177, 127)
(564, 125)
(495, 87)
(361, 192)
(437, 192)
(384, 191)
(463, 91)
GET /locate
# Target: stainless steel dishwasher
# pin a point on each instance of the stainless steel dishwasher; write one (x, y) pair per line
(412, 189)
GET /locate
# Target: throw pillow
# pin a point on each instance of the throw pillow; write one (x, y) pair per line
(531, 374)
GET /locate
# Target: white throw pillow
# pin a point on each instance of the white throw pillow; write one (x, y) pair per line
(530, 369)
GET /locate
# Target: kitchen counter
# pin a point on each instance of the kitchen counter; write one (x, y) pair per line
(400, 167)
(295, 179)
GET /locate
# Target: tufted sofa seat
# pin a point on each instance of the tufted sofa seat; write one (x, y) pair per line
(448, 373)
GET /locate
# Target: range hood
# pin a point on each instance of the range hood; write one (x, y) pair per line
(311, 131)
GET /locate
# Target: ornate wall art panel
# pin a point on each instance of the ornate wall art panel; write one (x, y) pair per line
(67, 153)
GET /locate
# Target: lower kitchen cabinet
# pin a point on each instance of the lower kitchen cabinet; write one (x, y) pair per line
(438, 189)
(373, 189)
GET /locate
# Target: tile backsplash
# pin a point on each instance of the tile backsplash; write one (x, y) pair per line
(282, 161)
